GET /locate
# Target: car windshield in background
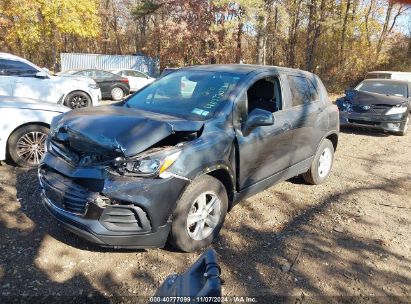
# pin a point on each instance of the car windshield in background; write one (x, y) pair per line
(188, 94)
(392, 89)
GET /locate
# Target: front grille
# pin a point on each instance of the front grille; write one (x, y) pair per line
(374, 109)
(64, 193)
(77, 158)
(364, 122)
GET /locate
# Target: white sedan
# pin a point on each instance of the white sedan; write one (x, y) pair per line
(21, 78)
(24, 126)
(136, 79)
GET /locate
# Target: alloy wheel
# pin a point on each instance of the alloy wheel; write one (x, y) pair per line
(204, 216)
(78, 101)
(31, 147)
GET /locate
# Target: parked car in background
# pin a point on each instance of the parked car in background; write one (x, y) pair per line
(21, 78)
(136, 79)
(24, 125)
(377, 103)
(389, 75)
(164, 165)
(112, 86)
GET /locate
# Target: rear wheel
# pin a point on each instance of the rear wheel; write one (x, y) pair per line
(117, 93)
(77, 99)
(321, 165)
(199, 214)
(27, 145)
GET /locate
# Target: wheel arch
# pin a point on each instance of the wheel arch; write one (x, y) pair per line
(333, 137)
(121, 86)
(226, 178)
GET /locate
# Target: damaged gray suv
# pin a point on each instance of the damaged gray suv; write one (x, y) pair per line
(169, 161)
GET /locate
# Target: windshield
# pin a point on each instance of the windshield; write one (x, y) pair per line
(187, 94)
(392, 89)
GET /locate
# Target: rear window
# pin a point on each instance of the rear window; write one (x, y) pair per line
(302, 90)
(391, 89)
(378, 75)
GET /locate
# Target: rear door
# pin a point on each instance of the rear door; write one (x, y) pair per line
(307, 115)
(265, 150)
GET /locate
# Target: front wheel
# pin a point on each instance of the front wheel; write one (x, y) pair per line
(321, 165)
(199, 214)
(27, 145)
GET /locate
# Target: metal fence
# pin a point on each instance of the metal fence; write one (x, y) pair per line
(144, 64)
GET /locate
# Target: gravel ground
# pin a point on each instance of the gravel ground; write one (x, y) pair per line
(349, 237)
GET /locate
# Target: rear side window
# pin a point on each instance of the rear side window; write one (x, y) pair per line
(16, 68)
(103, 74)
(302, 90)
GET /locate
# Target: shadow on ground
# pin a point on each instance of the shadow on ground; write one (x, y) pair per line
(270, 263)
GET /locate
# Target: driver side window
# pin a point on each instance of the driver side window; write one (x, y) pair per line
(263, 94)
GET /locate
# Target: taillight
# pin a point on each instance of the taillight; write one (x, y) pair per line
(125, 80)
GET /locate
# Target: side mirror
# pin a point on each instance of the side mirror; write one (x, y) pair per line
(257, 118)
(42, 75)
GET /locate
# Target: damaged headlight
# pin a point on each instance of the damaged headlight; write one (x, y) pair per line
(344, 105)
(147, 165)
(398, 109)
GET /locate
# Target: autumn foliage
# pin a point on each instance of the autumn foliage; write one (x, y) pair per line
(339, 40)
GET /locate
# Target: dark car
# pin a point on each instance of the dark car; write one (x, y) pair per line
(164, 165)
(112, 86)
(377, 103)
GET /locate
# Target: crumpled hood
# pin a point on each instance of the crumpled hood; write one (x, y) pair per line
(369, 98)
(117, 129)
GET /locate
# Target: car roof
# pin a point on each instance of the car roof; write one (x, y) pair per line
(387, 81)
(243, 68)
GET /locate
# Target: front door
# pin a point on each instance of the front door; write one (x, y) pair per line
(265, 150)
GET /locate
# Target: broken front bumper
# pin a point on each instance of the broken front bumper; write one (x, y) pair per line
(391, 123)
(106, 209)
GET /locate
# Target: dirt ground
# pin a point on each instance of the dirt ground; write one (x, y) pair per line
(349, 238)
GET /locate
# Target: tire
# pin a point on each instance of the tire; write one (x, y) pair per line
(21, 148)
(321, 165)
(187, 237)
(77, 99)
(405, 126)
(117, 93)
